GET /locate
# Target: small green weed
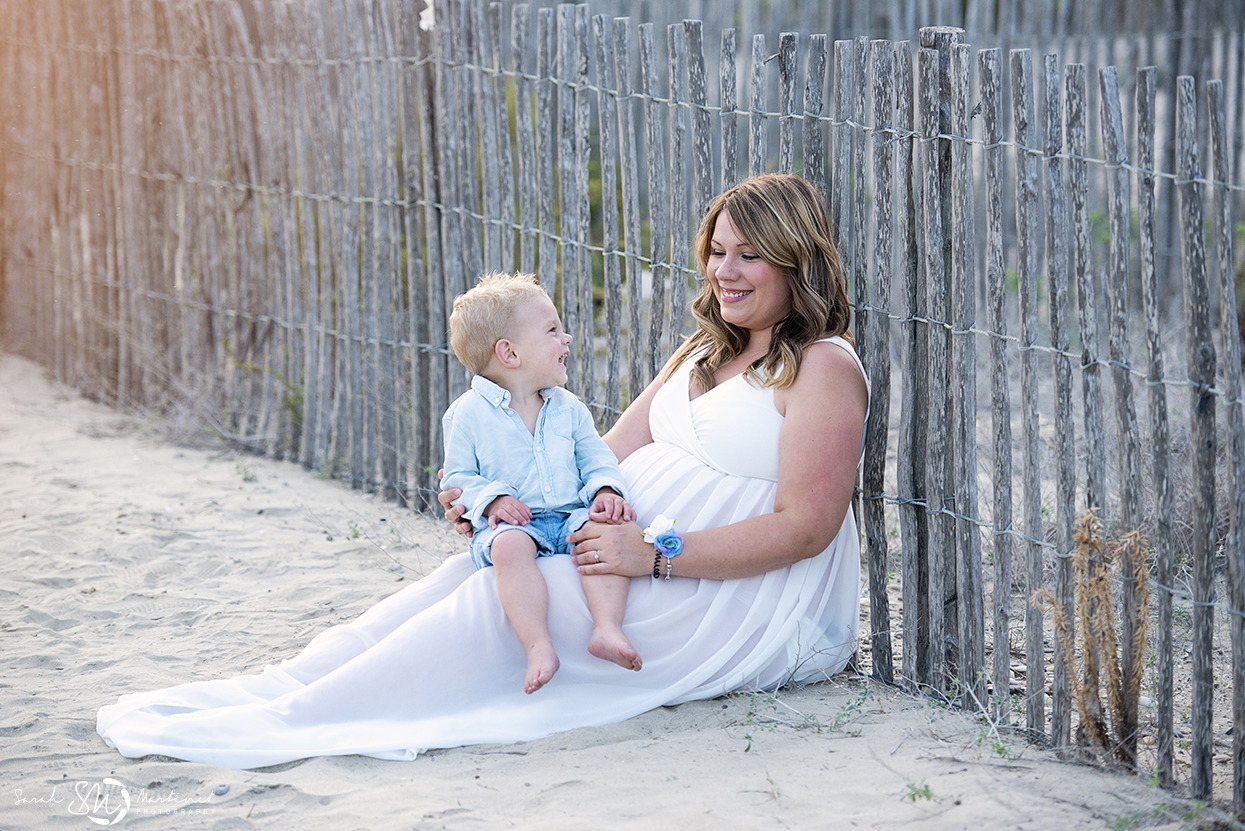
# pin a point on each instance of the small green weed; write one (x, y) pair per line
(914, 791)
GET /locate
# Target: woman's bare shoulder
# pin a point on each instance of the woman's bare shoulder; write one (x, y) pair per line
(827, 369)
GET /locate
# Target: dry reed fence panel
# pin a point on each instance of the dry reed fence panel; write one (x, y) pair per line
(264, 211)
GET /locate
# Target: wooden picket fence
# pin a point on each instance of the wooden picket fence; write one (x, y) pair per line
(263, 210)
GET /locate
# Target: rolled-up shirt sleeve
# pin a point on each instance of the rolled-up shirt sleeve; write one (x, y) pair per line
(597, 464)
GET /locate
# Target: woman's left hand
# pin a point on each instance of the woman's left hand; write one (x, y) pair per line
(598, 548)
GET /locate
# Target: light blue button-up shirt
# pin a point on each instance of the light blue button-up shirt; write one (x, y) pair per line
(490, 453)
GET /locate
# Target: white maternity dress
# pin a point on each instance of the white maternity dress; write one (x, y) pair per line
(438, 665)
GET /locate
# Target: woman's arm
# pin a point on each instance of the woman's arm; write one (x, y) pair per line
(818, 449)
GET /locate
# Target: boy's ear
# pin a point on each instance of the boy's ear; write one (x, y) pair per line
(505, 354)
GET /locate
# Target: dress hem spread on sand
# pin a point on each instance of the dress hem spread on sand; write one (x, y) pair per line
(437, 664)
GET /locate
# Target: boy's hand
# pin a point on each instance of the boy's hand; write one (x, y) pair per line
(507, 509)
(611, 508)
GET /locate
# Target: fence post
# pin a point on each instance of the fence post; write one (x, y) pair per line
(1065, 429)
(964, 364)
(628, 168)
(1159, 433)
(814, 132)
(658, 173)
(873, 483)
(728, 101)
(757, 152)
(991, 71)
(680, 209)
(1112, 124)
(545, 140)
(607, 112)
(913, 521)
(1234, 548)
(1201, 368)
(525, 137)
(702, 141)
(942, 539)
(568, 214)
(939, 465)
(840, 190)
(788, 43)
(1027, 178)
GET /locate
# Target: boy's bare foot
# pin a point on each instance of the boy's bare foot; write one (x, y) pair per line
(613, 645)
(542, 663)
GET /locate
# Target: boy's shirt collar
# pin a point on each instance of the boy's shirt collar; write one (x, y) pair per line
(496, 394)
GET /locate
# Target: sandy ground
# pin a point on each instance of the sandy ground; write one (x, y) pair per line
(130, 564)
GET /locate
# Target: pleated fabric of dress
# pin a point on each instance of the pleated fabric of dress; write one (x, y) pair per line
(438, 665)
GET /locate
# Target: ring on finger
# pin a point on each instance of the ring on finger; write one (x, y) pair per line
(598, 553)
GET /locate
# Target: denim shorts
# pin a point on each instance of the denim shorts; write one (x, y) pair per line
(549, 530)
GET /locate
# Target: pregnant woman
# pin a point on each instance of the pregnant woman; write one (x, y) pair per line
(748, 440)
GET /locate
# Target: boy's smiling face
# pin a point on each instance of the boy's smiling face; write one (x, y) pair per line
(540, 343)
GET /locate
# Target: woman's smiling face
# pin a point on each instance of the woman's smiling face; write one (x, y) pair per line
(752, 293)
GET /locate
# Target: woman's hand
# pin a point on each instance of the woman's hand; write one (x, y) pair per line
(600, 548)
(454, 513)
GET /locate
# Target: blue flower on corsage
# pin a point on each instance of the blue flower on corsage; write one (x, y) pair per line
(661, 534)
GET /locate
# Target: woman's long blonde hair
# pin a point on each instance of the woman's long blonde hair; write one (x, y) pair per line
(784, 219)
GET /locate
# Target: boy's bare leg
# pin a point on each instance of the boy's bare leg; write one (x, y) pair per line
(525, 599)
(607, 600)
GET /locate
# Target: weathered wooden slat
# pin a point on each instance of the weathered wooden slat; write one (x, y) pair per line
(964, 365)
(584, 333)
(629, 177)
(568, 203)
(702, 138)
(1112, 125)
(1159, 443)
(505, 160)
(841, 188)
(489, 137)
(910, 465)
(1027, 184)
(1090, 329)
(873, 478)
(1057, 227)
(680, 209)
(353, 290)
(990, 70)
(859, 272)
(525, 137)
(758, 151)
(323, 230)
(607, 112)
(788, 44)
(814, 128)
(1201, 371)
(1230, 347)
(727, 103)
(414, 389)
(942, 539)
(660, 267)
(942, 38)
(545, 141)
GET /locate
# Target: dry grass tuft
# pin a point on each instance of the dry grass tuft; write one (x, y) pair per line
(1097, 567)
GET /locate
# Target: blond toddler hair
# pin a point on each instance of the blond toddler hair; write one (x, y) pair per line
(483, 315)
